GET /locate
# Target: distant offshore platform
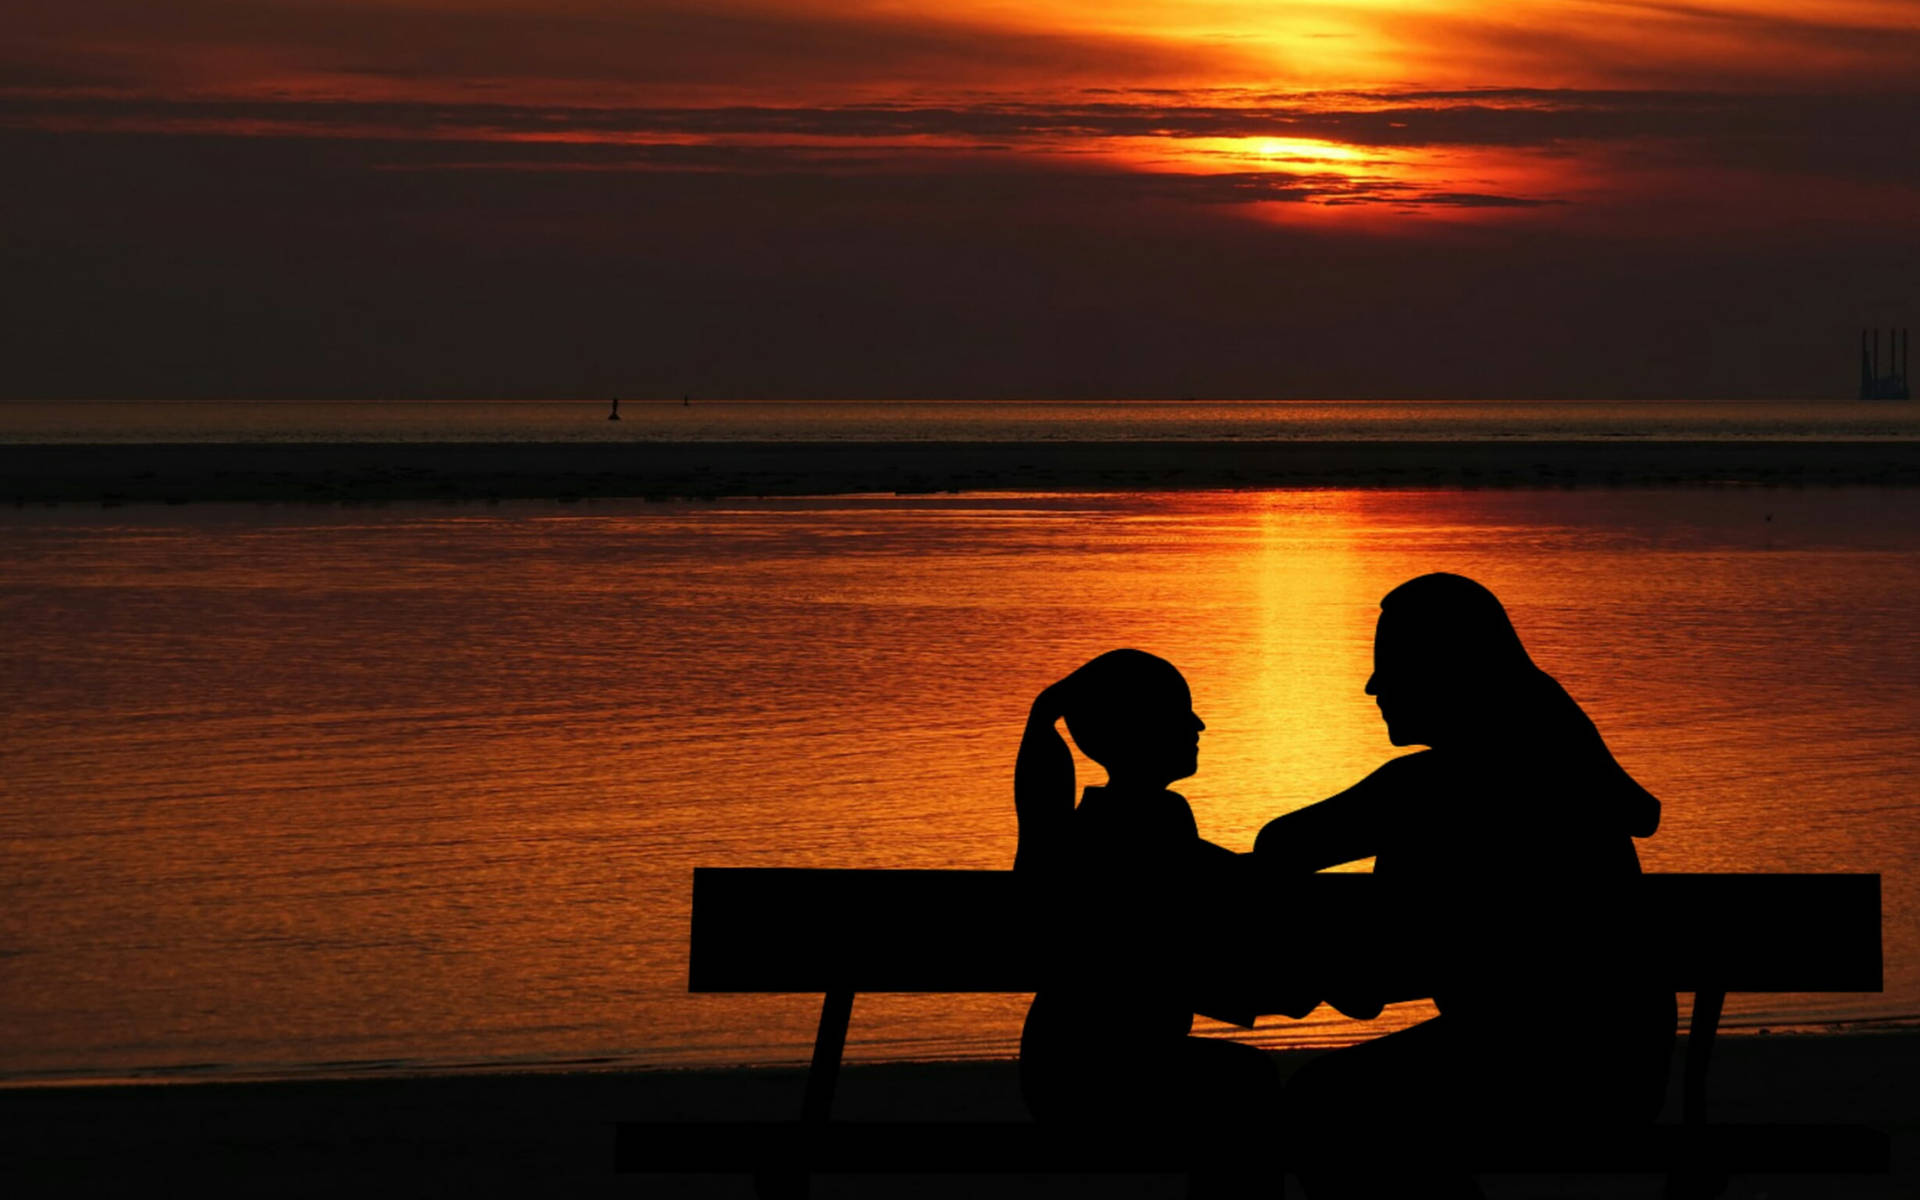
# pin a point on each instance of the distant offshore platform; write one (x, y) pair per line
(1892, 385)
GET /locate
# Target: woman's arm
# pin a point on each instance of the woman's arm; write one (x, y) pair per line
(1344, 827)
(1352, 825)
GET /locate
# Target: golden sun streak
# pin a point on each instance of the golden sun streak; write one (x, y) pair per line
(1315, 179)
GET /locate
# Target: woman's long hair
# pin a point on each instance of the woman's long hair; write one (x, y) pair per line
(1457, 634)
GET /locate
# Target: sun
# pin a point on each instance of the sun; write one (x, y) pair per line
(1306, 150)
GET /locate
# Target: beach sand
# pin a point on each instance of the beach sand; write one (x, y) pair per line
(551, 1133)
(373, 472)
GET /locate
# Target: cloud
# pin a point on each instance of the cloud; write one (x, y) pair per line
(1648, 44)
(798, 51)
(578, 49)
(1491, 117)
(1895, 34)
(1862, 137)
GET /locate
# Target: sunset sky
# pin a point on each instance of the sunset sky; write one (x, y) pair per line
(1051, 199)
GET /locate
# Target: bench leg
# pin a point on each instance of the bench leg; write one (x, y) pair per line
(828, 1045)
(791, 1183)
(1700, 1034)
(1703, 1180)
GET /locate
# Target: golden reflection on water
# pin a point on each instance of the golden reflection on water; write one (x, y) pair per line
(291, 789)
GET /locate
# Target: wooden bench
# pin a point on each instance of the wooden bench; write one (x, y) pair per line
(840, 932)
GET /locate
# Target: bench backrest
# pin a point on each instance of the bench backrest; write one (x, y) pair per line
(799, 930)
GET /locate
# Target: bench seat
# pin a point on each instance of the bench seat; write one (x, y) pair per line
(835, 933)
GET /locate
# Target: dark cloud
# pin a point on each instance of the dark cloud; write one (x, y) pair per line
(1478, 200)
(611, 44)
(21, 73)
(1896, 35)
(1657, 45)
(623, 48)
(1279, 186)
(185, 265)
(1509, 117)
(1864, 137)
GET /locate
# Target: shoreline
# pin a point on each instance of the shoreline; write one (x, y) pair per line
(327, 473)
(300, 1075)
(515, 1132)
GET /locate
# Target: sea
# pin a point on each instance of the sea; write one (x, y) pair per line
(301, 790)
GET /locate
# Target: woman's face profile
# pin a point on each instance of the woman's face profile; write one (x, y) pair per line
(1411, 696)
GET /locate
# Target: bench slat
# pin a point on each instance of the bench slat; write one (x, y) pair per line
(793, 930)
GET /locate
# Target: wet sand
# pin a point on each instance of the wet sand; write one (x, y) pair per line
(552, 1133)
(360, 472)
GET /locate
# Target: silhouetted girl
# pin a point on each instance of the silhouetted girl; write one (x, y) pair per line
(1505, 852)
(1126, 883)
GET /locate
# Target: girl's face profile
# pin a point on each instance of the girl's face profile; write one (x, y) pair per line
(1167, 737)
(1133, 714)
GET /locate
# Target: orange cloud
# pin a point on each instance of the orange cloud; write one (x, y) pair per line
(811, 51)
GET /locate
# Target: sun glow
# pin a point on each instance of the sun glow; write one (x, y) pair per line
(1348, 110)
(1294, 179)
(1305, 150)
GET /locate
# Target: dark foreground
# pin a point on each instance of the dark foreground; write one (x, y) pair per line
(356, 472)
(552, 1133)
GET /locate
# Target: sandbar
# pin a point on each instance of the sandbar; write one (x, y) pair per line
(177, 473)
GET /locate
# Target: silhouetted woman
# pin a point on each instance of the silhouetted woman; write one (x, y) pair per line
(1505, 855)
(1124, 884)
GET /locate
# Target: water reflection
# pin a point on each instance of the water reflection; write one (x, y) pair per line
(288, 787)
